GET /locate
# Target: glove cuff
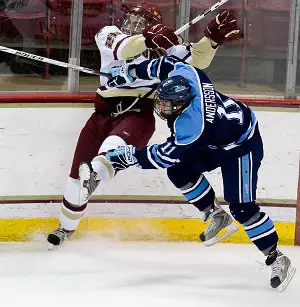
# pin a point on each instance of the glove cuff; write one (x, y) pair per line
(130, 155)
(149, 44)
(215, 36)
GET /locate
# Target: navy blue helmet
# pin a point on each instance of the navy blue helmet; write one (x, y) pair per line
(172, 96)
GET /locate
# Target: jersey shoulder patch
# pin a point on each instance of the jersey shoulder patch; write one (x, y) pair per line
(107, 35)
(111, 38)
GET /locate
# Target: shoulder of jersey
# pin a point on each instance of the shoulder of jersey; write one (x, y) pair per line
(109, 29)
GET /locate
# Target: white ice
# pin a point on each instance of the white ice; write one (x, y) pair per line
(96, 272)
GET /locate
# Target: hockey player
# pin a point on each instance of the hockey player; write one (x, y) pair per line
(208, 130)
(125, 115)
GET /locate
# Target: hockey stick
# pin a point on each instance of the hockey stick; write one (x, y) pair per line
(54, 62)
(200, 17)
(91, 71)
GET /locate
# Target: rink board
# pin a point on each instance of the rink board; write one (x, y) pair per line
(137, 229)
(129, 221)
(37, 145)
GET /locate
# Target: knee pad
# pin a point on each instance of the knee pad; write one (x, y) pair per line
(243, 212)
(111, 142)
(72, 190)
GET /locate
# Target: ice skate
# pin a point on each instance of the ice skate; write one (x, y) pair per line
(58, 237)
(88, 182)
(282, 270)
(219, 220)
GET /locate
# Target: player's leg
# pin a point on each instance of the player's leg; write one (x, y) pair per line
(197, 190)
(240, 177)
(72, 208)
(135, 128)
(97, 169)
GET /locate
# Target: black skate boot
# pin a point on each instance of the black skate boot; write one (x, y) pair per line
(219, 220)
(88, 181)
(58, 237)
(282, 270)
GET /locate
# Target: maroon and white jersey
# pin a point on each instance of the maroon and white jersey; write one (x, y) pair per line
(117, 49)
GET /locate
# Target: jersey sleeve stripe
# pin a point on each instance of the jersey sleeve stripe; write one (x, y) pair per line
(249, 133)
(166, 158)
(154, 68)
(115, 52)
(158, 160)
(150, 159)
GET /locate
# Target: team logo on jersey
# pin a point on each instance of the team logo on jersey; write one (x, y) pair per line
(111, 38)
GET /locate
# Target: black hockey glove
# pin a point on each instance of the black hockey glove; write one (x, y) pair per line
(122, 157)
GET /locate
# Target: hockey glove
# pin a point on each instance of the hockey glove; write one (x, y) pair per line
(160, 36)
(120, 75)
(122, 157)
(222, 27)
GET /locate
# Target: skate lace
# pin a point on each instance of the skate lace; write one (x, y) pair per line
(216, 220)
(262, 266)
(214, 223)
(93, 183)
(276, 267)
(60, 232)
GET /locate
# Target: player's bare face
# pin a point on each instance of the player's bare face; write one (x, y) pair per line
(133, 24)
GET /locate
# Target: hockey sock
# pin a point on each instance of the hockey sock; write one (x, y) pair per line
(70, 215)
(261, 231)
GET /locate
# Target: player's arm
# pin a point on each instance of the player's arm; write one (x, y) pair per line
(147, 70)
(156, 156)
(202, 53)
(222, 27)
(131, 47)
(157, 36)
(157, 69)
(122, 45)
(126, 47)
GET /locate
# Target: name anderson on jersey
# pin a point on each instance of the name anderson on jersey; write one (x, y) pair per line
(210, 102)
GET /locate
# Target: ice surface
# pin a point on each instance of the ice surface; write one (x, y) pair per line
(96, 272)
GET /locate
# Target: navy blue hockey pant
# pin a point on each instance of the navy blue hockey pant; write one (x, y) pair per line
(239, 168)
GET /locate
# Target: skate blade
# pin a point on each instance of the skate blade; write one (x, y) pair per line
(286, 282)
(230, 230)
(51, 247)
(84, 175)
